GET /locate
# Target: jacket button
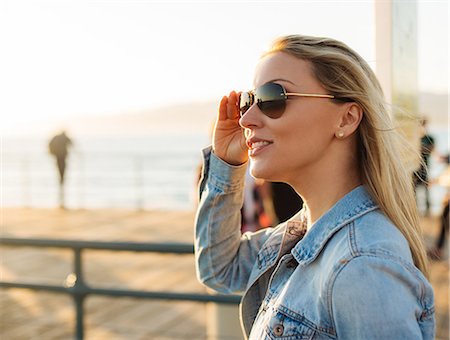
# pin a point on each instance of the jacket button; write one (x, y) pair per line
(278, 330)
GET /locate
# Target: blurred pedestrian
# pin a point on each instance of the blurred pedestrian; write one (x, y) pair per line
(437, 251)
(351, 264)
(286, 202)
(59, 148)
(421, 178)
(256, 209)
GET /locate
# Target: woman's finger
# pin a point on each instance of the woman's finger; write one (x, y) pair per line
(232, 109)
(223, 108)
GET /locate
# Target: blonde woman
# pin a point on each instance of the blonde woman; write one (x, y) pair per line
(351, 263)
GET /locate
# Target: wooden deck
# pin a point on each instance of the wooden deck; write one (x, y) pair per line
(38, 315)
(26, 314)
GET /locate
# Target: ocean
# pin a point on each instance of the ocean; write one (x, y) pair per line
(145, 172)
(151, 172)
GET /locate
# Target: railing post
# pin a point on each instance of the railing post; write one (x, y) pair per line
(79, 298)
(79, 288)
(79, 305)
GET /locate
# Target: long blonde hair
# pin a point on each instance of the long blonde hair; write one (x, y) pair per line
(346, 75)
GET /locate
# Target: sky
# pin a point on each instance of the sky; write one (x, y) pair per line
(66, 58)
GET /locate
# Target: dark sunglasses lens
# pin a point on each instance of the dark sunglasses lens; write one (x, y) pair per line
(245, 101)
(271, 100)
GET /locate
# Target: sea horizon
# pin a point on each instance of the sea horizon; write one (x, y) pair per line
(157, 171)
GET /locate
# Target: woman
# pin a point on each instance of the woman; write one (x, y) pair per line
(351, 264)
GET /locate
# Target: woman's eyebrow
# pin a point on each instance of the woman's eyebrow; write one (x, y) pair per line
(281, 79)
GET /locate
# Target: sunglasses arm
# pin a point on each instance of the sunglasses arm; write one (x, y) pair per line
(310, 95)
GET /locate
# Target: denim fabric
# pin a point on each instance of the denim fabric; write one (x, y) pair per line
(351, 276)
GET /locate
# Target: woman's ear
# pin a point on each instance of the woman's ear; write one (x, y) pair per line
(350, 119)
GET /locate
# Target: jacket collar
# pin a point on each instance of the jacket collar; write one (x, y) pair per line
(353, 205)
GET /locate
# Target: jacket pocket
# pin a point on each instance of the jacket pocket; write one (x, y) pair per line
(283, 326)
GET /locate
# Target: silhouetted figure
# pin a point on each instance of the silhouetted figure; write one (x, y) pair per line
(421, 175)
(58, 147)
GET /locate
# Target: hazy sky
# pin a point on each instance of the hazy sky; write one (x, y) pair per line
(61, 58)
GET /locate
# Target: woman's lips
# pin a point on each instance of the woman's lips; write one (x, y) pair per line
(257, 146)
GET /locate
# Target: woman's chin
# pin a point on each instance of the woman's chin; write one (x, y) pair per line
(260, 171)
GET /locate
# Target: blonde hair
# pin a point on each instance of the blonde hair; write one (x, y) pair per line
(346, 75)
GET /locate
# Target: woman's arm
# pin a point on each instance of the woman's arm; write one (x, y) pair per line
(224, 258)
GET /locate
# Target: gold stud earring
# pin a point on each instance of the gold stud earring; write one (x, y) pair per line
(340, 134)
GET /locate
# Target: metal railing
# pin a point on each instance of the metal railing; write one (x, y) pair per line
(79, 290)
(101, 179)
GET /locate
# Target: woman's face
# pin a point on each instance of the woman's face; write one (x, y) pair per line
(301, 141)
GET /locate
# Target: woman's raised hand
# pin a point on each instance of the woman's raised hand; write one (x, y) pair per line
(228, 139)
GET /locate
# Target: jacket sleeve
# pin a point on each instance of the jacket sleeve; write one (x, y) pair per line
(376, 297)
(224, 258)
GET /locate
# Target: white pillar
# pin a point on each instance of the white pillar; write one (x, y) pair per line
(396, 64)
(383, 46)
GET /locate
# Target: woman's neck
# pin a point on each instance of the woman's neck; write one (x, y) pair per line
(321, 188)
(317, 203)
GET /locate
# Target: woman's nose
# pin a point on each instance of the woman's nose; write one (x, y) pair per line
(251, 118)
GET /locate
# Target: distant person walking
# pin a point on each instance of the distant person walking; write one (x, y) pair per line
(58, 147)
(421, 175)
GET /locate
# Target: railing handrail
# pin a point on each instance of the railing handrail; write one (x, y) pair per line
(161, 247)
(76, 286)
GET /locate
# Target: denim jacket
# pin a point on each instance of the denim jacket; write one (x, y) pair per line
(351, 276)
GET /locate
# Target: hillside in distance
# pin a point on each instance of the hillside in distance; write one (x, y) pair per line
(198, 117)
(191, 118)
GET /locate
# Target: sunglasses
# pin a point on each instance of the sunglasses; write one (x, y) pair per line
(271, 99)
